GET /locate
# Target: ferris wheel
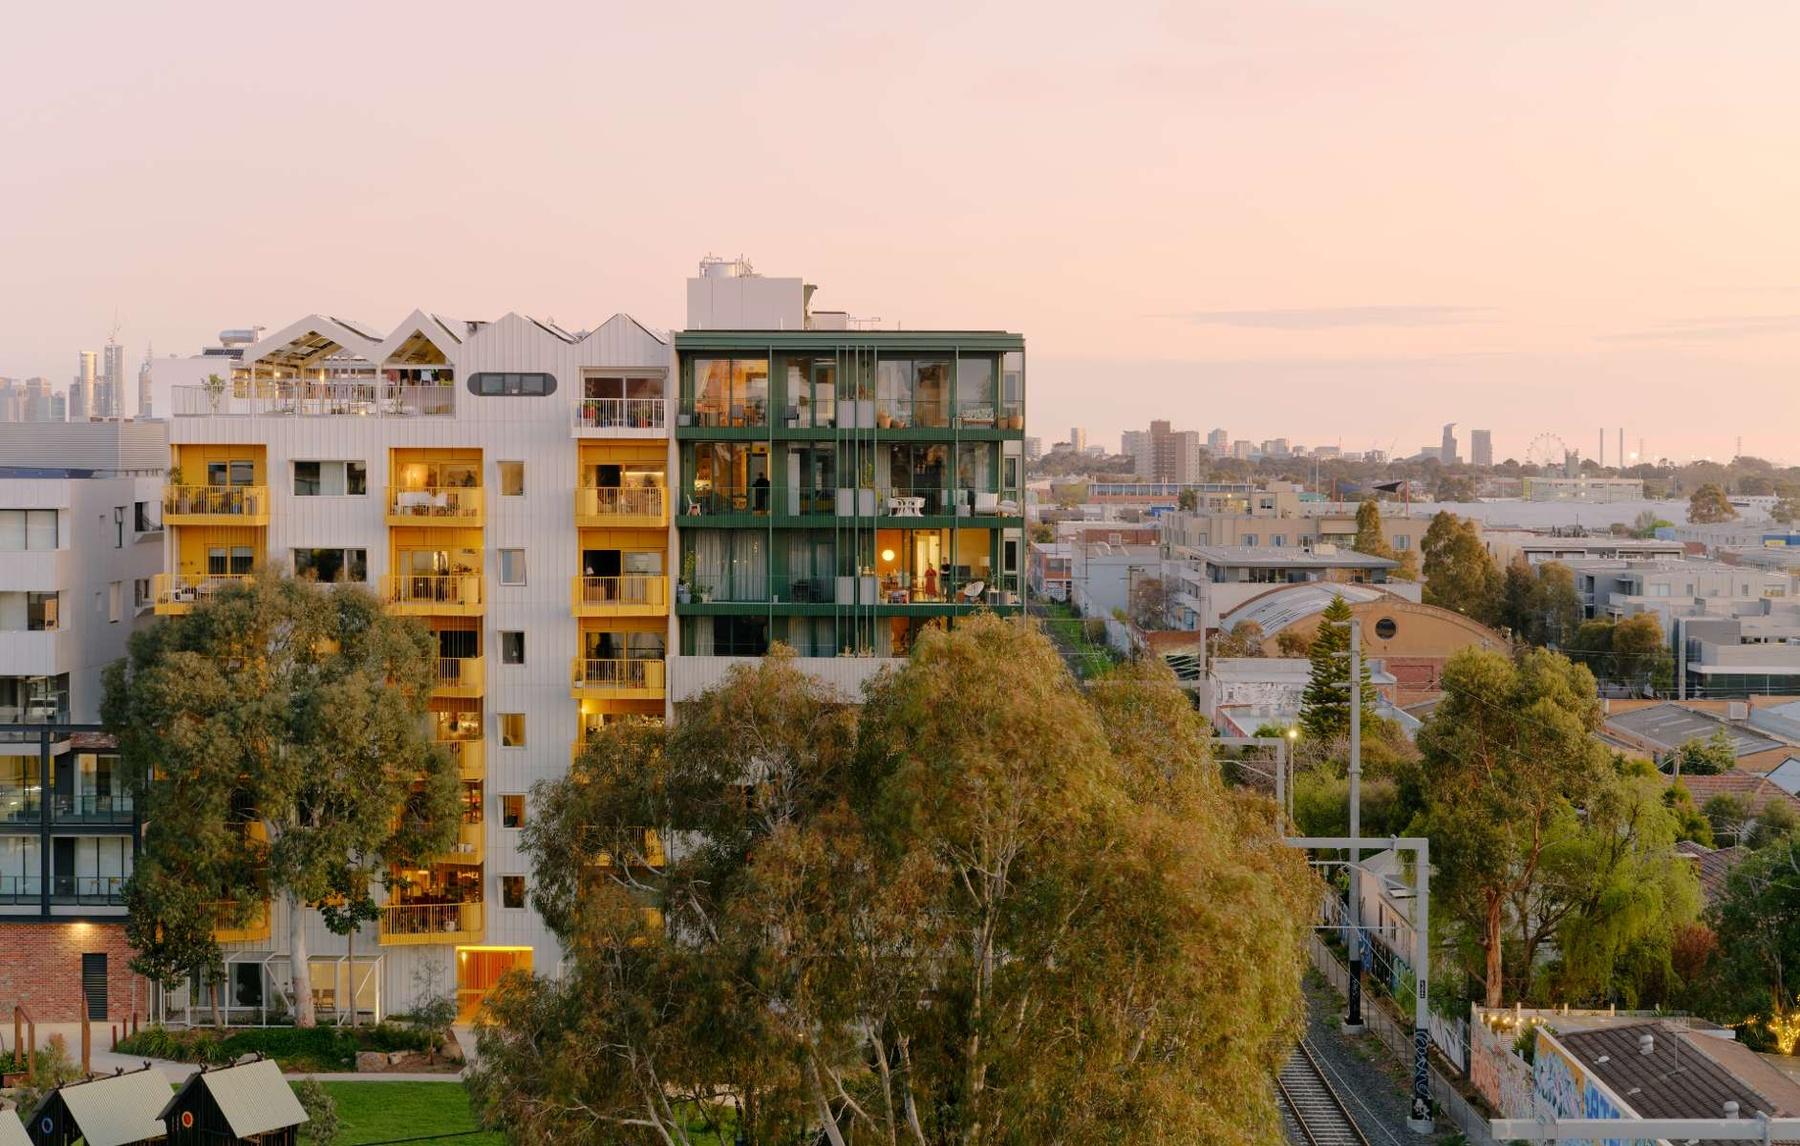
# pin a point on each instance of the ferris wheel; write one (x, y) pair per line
(1546, 450)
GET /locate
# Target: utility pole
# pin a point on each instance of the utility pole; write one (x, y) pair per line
(1354, 1023)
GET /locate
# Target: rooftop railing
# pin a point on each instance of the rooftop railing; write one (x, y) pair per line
(305, 399)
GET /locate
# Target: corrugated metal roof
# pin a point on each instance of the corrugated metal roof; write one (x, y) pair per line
(119, 1110)
(1671, 726)
(252, 1096)
(12, 1132)
(1673, 1081)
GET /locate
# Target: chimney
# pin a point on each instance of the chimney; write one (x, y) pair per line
(1646, 1043)
(1731, 1108)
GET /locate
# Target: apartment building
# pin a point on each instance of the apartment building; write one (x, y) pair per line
(839, 489)
(1282, 515)
(506, 483)
(1671, 588)
(80, 540)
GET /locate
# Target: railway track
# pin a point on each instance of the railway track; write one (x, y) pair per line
(1310, 1107)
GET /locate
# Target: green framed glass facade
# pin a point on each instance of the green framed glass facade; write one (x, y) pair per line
(836, 490)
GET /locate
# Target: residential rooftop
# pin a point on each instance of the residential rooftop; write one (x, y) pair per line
(1282, 557)
(1666, 727)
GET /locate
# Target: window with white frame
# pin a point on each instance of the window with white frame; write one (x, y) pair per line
(512, 566)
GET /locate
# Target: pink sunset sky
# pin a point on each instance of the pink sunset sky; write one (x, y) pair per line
(1334, 223)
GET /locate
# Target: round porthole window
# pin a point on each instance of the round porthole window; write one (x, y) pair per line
(1385, 628)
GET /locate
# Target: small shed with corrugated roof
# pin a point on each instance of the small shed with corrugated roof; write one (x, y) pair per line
(248, 1104)
(12, 1131)
(112, 1110)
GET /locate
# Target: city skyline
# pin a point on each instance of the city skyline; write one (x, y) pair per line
(1528, 232)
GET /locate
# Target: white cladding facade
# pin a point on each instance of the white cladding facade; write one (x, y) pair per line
(403, 411)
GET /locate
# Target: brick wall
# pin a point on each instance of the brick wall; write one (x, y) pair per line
(40, 966)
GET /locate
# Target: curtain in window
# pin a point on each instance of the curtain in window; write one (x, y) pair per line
(750, 567)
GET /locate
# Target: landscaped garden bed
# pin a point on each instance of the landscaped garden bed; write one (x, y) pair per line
(313, 1050)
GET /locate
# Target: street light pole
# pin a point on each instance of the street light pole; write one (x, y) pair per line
(1354, 1023)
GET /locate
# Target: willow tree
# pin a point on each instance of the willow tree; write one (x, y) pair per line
(276, 739)
(986, 908)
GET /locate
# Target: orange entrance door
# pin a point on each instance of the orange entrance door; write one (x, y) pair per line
(478, 971)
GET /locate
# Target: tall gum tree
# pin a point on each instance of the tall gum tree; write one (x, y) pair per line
(276, 736)
(987, 907)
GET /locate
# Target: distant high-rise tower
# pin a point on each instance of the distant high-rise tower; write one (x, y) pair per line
(1447, 452)
(1078, 439)
(59, 407)
(81, 390)
(143, 405)
(111, 403)
(1481, 447)
(1218, 443)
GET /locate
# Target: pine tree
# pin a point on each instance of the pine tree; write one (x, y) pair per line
(1325, 705)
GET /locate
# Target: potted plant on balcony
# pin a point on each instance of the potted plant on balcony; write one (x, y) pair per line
(215, 391)
(684, 587)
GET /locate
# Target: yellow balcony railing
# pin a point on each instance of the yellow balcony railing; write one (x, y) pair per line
(216, 505)
(435, 505)
(621, 507)
(174, 594)
(470, 839)
(632, 595)
(417, 923)
(460, 676)
(468, 757)
(637, 678)
(255, 929)
(433, 595)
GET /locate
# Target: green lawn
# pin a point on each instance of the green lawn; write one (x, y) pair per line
(381, 1111)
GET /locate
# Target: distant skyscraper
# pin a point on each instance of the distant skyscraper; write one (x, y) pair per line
(81, 390)
(111, 403)
(143, 405)
(1034, 449)
(59, 407)
(39, 401)
(12, 401)
(1135, 444)
(1447, 451)
(1481, 447)
(1218, 443)
(1077, 439)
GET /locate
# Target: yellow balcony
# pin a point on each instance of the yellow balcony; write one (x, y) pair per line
(216, 505)
(435, 505)
(255, 929)
(405, 924)
(633, 595)
(468, 756)
(460, 676)
(433, 595)
(639, 678)
(174, 594)
(470, 840)
(615, 507)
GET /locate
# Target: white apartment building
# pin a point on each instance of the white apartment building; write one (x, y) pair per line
(80, 541)
(506, 483)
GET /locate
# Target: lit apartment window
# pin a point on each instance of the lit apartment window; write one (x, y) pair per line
(512, 647)
(512, 478)
(331, 565)
(512, 891)
(512, 566)
(512, 811)
(331, 479)
(512, 730)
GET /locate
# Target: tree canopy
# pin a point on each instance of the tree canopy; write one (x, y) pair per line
(1709, 505)
(984, 908)
(1508, 756)
(276, 739)
(1459, 574)
(1369, 538)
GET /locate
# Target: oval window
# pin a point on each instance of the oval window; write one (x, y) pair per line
(512, 385)
(1385, 628)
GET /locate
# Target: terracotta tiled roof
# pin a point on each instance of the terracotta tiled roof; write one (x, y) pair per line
(1756, 790)
(1711, 865)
